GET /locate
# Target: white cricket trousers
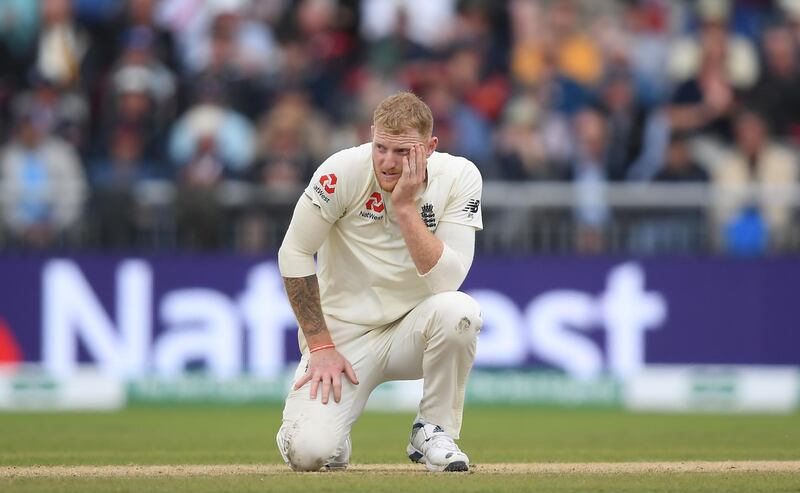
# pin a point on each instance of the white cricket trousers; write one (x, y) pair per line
(435, 341)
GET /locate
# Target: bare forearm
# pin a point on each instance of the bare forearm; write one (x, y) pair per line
(303, 294)
(424, 247)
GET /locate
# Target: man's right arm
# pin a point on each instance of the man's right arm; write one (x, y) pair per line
(306, 234)
(303, 293)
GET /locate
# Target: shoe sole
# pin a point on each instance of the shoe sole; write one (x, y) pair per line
(457, 466)
(280, 448)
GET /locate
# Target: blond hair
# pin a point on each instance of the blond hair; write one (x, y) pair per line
(404, 111)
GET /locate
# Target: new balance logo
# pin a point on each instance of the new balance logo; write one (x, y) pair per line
(472, 206)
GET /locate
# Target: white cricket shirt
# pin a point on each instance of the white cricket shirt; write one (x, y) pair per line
(365, 271)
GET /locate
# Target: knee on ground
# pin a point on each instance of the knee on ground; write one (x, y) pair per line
(310, 449)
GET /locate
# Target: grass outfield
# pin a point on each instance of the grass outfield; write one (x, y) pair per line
(492, 435)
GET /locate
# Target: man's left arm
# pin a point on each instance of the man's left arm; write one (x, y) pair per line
(442, 259)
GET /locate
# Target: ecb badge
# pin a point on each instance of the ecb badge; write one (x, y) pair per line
(428, 217)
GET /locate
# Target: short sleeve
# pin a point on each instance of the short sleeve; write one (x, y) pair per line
(328, 188)
(464, 204)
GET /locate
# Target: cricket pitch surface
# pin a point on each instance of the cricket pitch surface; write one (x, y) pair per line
(601, 468)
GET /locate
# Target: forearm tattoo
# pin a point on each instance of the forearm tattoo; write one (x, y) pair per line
(303, 293)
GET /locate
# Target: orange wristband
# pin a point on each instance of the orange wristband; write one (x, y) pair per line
(324, 346)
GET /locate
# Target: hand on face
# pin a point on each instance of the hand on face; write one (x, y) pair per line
(412, 176)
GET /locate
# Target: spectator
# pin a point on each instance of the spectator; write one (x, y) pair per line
(557, 39)
(142, 93)
(540, 106)
(62, 46)
(62, 113)
(791, 12)
(577, 55)
(141, 15)
(703, 104)
(208, 143)
(431, 24)
(138, 60)
(641, 40)
(396, 49)
(133, 105)
(42, 186)
(754, 160)
(484, 26)
(636, 137)
(474, 103)
(198, 211)
(532, 67)
(524, 149)
(116, 218)
(589, 174)
(292, 134)
(126, 165)
(234, 58)
(19, 22)
(735, 54)
(210, 121)
(319, 50)
(675, 229)
(678, 164)
(777, 93)
(248, 45)
(469, 76)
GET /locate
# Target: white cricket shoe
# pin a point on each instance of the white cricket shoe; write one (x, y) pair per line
(338, 463)
(430, 445)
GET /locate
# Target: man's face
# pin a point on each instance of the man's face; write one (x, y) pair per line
(388, 151)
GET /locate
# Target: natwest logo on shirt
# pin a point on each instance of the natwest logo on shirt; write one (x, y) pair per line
(328, 182)
(375, 203)
(374, 207)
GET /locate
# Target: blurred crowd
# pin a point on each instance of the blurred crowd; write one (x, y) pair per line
(97, 96)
